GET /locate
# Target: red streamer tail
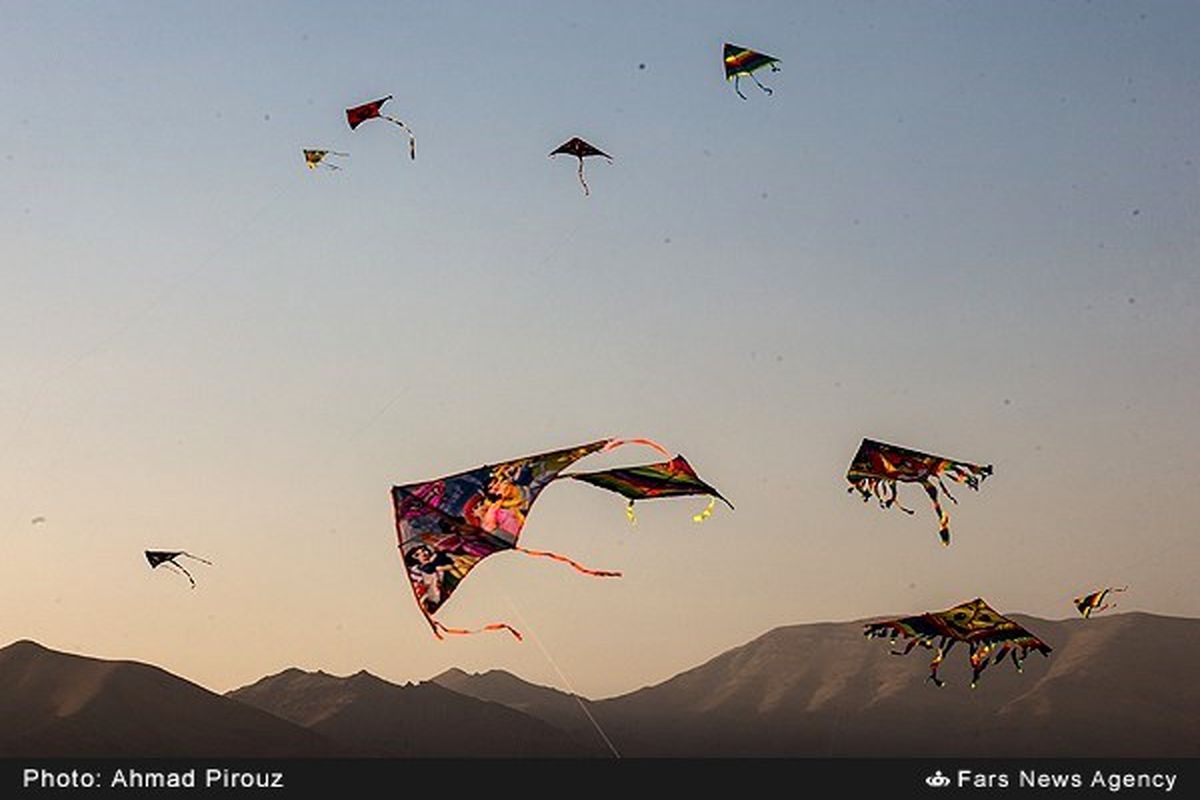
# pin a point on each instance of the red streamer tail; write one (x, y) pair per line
(595, 573)
(439, 629)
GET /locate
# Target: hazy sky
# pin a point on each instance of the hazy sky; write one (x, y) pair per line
(969, 228)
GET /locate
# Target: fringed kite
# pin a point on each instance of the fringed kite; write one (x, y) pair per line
(316, 158)
(158, 558)
(373, 110)
(741, 61)
(580, 149)
(1094, 603)
(877, 467)
(447, 526)
(985, 630)
(674, 478)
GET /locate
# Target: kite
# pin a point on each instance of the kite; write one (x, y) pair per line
(1094, 603)
(985, 630)
(316, 158)
(877, 466)
(447, 526)
(158, 558)
(360, 114)
(580, 149)
(741, 61)
(674, 478)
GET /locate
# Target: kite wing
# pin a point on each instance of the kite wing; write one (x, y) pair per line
(580, 149)
(374, 110)
(674, 478)
(878, 466)
(158, 558)
(447, 526)
(741, 61)
(985, 630)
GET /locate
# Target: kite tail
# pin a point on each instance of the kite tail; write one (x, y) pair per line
(764, 88)
(707, 512)
(197, 558)
(582, 182)
(737, 80)
(412, 140)
(191, 580)
(613, 444)
(630, 515)
(439, 629)
(595, 573)
(943, 517)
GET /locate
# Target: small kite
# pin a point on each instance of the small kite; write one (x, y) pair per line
(158, 558)
(360, 114)
(985, 630)
(38, 520)
(674, 478)
(447, 526)
(741, 61)
(580, 149)
(1094, 603)
(877, 466)
(316, 158)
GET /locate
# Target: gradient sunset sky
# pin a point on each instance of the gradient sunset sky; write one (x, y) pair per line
(969, 228)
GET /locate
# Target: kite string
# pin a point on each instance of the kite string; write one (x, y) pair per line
(578, 700)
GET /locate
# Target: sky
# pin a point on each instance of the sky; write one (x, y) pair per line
(967, 228)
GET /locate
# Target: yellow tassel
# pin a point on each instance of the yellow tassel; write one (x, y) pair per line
(629, 514)
(707, 512)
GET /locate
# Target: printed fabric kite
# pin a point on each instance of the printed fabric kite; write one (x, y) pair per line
(447, 526)
(580, 149)
(985, 630)
(373, 110)
(1094, 603)
(741, 61)
(877, 467)
(158, 558)
(316, 158)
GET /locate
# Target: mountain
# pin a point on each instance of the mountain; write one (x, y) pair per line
(372, 717)
(567, 712)
(56, 704)
(1115, 686)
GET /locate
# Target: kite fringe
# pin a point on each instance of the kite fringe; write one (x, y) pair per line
(595, 573)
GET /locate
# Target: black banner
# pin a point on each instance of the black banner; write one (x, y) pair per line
(795, 777)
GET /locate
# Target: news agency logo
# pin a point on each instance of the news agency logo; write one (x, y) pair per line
(937, 780)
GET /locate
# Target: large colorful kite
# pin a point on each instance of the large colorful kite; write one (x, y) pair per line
(447, 526)
(580, 149)
(374, 110)
(1094, 603)
(985, 630)
(169, 558)
(877, 467)
(741, 61)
